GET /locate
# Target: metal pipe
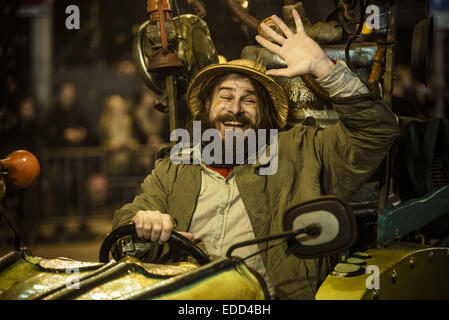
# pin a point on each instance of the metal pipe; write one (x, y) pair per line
(172, 111)
(242, 15)
(41, 30)
(361, 54)
(310, 230)
(16, 235)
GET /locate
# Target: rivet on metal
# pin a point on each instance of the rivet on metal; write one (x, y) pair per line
(394, 276)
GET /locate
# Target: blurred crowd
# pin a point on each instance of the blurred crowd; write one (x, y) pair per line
(412, 98)
(124, 141)
(123, 125)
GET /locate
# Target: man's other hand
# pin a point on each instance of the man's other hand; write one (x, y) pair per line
(300, 52)
(155, 226)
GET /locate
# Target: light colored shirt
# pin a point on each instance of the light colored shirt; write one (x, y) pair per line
(220, 220)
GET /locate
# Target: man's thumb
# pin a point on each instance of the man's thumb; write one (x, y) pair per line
(188, 235)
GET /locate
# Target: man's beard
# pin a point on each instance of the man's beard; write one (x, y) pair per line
(207, 123)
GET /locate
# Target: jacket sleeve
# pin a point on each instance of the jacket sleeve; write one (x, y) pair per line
(352, 149)
(154, 196)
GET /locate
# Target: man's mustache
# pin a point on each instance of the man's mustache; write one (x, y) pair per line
(238, 118)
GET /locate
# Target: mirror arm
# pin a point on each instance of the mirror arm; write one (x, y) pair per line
(310, 230)
(16, 235)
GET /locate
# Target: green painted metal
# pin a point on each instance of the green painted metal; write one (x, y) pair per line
(405, 271)
(412, 215)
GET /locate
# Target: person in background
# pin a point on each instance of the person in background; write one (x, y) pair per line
(67, 123)
(68, 127)
(404, 95)
(151, 122)
(117, 134)
(30, 131)
(26, 135)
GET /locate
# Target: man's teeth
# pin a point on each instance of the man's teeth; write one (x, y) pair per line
(233, 123)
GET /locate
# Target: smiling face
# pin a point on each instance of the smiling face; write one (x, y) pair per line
(233, 104)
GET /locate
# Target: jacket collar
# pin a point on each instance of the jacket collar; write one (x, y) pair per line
(193, 155)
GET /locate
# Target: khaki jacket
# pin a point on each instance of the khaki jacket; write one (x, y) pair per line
(312, 162)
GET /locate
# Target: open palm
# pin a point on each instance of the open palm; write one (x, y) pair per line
(301, 53)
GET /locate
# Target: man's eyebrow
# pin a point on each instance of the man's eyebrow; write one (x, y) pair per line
(226, 88)
(233, 89)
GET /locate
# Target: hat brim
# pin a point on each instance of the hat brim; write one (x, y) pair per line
(207, 74)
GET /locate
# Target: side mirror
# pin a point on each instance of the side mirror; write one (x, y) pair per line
(312, 229)
(333, 220)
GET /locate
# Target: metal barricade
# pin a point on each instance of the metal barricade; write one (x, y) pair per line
(78, 184)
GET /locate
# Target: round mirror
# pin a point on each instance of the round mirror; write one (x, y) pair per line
(333, 221)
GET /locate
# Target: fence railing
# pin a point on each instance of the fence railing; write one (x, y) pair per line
(79, 184)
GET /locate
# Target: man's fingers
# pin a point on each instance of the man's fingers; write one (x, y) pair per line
(156, 230)
(147, 227)
(273, 34)
(167, 228)
(298, 22)
(285, 72)
(285, 29)
(138, 223)
(188, 235)
(267, 44)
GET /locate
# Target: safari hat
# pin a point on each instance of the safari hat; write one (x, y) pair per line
(249, 68)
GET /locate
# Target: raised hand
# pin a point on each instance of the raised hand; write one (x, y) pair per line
(301, 53)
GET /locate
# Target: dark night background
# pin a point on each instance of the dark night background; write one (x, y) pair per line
(106, 35)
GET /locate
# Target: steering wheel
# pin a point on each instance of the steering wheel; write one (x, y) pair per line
(176, 240)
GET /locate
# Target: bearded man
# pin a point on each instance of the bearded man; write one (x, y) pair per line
(225, 205)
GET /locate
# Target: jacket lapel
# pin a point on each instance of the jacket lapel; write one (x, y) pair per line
(252, 188)
(185, 195)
